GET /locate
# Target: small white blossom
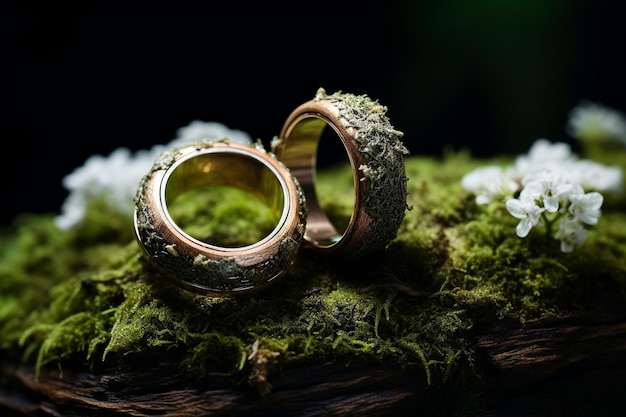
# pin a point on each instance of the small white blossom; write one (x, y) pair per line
(594, 176)
(111, 179)
(526, 209)
(488, 183)
(586, 207)
(571, 233)
(114, 179)
(594, 122)
(542, 155)
(589, 174)
(551, 187)
(199, 130)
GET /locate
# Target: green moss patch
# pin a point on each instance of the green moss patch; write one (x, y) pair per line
(455, 269)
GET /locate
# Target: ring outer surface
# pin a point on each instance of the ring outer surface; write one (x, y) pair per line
(204, 268)
(376, 154)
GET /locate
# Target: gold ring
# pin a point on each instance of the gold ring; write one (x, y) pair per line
(200, 265)
(376, 154)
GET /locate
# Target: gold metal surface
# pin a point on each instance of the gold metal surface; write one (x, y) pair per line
(302, 133)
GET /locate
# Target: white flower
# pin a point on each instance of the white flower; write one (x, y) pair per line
(526, 209)
(114, 179)
(488, 183)
(570, 233)
(557, 160)
(542, 154)
(198, 130)
(551, 186)
(594, 122)
(594, 176)
(543, 150)
(586, 207)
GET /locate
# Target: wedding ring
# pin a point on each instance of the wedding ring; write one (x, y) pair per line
(375, 152)
(202, 266)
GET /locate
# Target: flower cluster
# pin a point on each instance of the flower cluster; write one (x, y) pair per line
(551, 198)
(548, 185)
(113, 180)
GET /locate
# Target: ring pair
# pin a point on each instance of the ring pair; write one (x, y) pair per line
(284, 180)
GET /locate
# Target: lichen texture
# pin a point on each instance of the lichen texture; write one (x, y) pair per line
(87, 295)
(380, 145)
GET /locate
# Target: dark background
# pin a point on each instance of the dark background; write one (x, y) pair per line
(490, 76)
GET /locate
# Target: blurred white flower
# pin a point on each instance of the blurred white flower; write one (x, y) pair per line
(594, 176)
(488, 183)
(542, 150)
(113, 180)
(198, 130)
(542, 154)
(571, 233)
(593, 122)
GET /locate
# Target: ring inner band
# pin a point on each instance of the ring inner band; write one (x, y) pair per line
(231, 169)
(301, 158)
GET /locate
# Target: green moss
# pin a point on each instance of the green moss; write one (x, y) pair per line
(224, 216)
(454, 269)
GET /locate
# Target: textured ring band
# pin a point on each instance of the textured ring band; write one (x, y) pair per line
(376, 155)
(203, 267)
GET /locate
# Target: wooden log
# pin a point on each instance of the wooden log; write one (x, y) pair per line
(570, 365)
(573, 365)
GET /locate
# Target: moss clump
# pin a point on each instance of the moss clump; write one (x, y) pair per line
(208, 213)
(454, 269)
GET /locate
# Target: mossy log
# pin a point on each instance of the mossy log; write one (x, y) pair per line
(458, 316)
(572, 365)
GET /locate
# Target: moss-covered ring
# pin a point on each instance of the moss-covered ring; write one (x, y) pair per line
(376, 154)
(203, 267)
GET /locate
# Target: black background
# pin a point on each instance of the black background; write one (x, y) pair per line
(490, 76)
